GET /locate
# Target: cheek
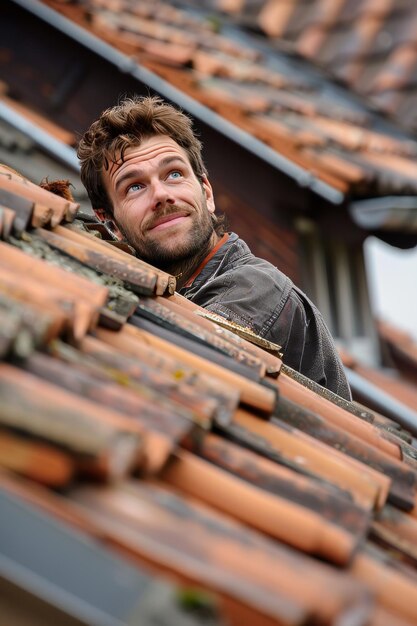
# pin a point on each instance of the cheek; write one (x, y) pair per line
(128, 213)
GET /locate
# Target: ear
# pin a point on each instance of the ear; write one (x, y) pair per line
(208, 192)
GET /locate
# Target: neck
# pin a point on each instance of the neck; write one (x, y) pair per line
(184, 269)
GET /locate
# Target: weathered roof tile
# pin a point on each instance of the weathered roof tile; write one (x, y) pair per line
(211, 446)
(182, 422)
(289, 111)
(367, 44)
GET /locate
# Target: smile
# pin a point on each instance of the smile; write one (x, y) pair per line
(168, 221)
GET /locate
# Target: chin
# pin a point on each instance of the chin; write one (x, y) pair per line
(159, 254)
(172, 246)
(178, 240)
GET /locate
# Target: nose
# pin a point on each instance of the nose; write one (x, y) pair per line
(162, 196)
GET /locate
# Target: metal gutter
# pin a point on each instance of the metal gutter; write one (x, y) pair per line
(394, 213)
(130, 66)
(382, 401)
(56, 148)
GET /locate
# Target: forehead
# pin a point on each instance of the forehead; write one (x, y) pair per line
(151, 151)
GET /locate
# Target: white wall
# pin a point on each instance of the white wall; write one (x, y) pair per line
(392, 278)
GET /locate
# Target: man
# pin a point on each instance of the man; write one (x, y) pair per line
(142, 166)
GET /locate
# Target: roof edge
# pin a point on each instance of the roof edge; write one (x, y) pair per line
(41, 137)
(127, 65)
(384, 402)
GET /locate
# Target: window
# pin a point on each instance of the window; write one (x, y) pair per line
(335, 280)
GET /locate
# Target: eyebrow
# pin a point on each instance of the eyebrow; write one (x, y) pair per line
(137, 172)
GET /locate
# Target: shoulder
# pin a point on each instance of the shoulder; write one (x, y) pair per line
(246, 268)
(245, 289)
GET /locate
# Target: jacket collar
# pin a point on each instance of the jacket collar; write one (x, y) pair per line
(232, 250)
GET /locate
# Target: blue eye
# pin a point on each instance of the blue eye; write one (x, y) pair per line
(134, 187)
(175, 174)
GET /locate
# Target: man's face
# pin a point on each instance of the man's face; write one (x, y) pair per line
(159, 204)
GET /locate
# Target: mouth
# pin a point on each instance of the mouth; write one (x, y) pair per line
(168, 220)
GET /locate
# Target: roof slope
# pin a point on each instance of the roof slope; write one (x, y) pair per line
(320, 134)
(183, 446)
(369, 45)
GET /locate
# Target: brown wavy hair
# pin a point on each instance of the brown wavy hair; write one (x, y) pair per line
(127, 125)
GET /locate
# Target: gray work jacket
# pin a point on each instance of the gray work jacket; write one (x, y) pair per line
(253, 293)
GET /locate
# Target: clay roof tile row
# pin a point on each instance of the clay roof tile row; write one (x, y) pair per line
(368, 45)
(286, 107)
(185, 446)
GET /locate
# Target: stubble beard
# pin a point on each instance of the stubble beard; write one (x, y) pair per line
(171, 258)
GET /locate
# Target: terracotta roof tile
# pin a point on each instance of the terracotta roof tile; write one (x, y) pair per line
(196, 537)
(41, 462)
(207, 463)
(368, 44)
(299, 15)
(385, 581)
(400, 349)
(260, 510)
(274, 18)
(59, 208)
(207, 449)
(286, 110)
(336, 416)
(278, 479)
(312, 459)
(382, 617)
(396, 73)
